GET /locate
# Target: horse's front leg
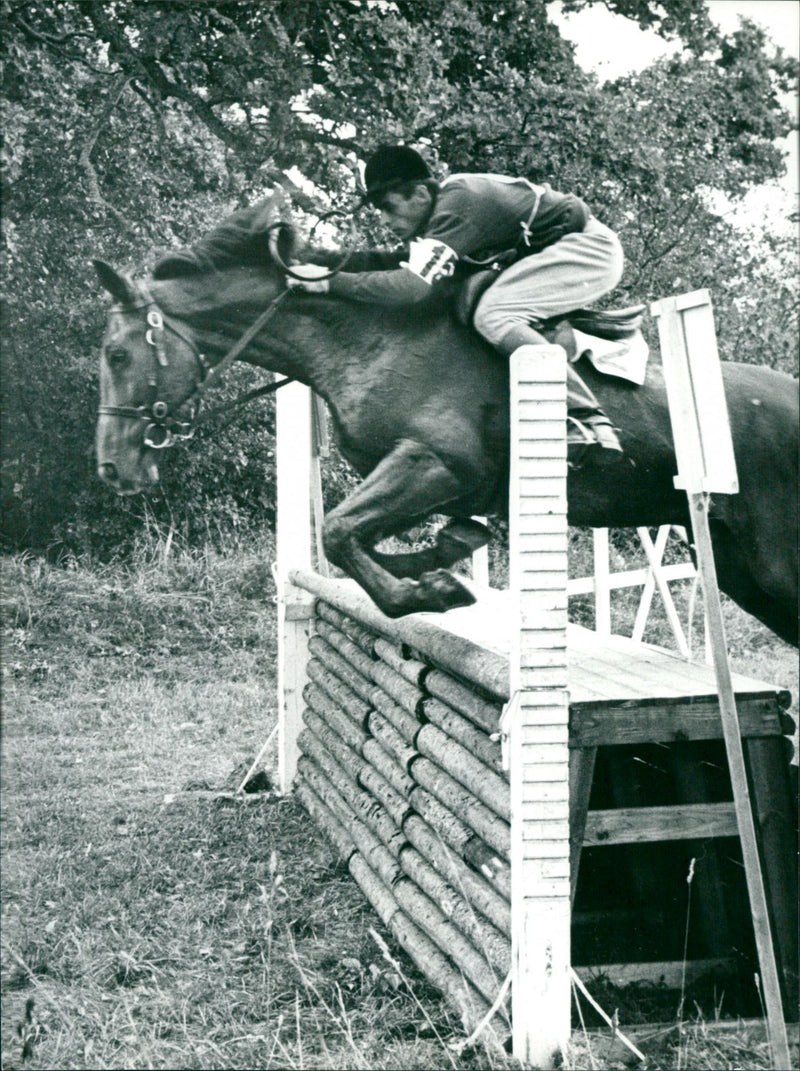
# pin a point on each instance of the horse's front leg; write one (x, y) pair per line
(407, 486)
(454, 542)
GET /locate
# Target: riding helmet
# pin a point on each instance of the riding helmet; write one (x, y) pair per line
(393, 165)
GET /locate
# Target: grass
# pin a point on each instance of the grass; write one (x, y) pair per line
(148, 922)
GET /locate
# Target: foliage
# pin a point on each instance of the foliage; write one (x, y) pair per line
(132, 126)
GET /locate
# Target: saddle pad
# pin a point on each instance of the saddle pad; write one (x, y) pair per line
(625, 358)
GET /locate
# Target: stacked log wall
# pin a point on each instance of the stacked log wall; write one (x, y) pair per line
(401, 765)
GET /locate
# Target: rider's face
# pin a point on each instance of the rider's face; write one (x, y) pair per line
(405, 214)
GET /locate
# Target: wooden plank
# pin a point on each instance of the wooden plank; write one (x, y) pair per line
(698, 408)
(649, 674)
(670, 973)
(698, 505)
(546, 791)
(543, 447)
(656, 578)
(581, 775)
(645, 825)
(293, 551)
(539, 830)
(652, 674)
(552, 771)
(602, 582)
(775, 813)
(593, 725)
(631, 578)
(616, 675)
(534, 412)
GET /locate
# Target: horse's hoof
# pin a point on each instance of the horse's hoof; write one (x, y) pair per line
(439, 591)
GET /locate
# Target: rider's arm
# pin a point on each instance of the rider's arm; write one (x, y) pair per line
(429, 261)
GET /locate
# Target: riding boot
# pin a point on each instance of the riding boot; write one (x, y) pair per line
(584, 413)
(588, 427)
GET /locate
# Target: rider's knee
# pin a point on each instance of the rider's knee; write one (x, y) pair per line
(492, 321)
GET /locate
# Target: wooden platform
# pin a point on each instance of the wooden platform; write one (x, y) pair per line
(627, 701)
(627, 693)
(605, 671)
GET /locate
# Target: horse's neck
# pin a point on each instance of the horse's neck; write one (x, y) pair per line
(302, 340)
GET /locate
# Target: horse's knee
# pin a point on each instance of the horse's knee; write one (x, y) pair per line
(335, 535)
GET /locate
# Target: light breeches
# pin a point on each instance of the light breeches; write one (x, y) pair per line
(572, 273)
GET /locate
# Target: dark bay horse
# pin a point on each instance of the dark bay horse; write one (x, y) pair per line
(419, 405)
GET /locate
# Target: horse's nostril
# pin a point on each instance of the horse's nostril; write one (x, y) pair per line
(108, 471)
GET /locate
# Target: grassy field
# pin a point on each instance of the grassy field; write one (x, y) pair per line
(149, 922)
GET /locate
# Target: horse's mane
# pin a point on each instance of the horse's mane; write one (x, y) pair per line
(242, 240)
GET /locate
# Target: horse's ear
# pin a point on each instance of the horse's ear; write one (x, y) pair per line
(269, 210)
(119, 286)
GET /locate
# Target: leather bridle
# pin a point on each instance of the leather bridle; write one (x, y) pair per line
(163, 426)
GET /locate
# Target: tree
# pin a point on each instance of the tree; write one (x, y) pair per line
(162, 116)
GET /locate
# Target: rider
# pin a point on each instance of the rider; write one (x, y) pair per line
(559, 258)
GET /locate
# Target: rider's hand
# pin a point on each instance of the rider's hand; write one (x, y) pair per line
(311, 283)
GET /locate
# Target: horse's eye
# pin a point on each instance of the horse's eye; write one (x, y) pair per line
(117, 358)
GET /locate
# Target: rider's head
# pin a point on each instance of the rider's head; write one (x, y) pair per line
(400, 185)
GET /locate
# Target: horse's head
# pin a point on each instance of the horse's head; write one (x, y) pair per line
(149, 371)
(152, 372)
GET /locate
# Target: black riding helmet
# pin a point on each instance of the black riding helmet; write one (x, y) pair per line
(391, 166)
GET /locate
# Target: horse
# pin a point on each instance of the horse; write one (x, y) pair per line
(419, 405)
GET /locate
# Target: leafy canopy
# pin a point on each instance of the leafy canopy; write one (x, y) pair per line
(132, 126)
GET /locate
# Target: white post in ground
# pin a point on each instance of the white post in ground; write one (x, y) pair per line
(293, 430)
(538, 714)
(706, 464)
(602, 582)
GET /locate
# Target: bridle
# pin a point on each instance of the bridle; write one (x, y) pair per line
(163, 426)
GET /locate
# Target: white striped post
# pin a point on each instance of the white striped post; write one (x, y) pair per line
(537, 717)
(293, 551)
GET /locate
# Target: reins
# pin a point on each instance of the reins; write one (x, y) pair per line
(233, 353)
(164, 429)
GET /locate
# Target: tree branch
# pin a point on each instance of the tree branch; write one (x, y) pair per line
(56, 43)
(85, 157)
(47, 38)
(153, 73)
